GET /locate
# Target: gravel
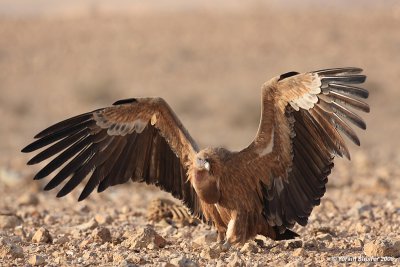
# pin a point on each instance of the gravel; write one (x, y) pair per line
(52, 69)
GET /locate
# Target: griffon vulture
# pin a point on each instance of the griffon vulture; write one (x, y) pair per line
(263, 189)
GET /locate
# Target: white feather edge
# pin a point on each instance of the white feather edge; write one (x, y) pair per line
(307, 101)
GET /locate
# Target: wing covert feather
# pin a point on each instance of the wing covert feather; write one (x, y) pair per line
(303, 117)
(135, 139)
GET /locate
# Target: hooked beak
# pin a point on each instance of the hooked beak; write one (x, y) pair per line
(203, 164)
(207, 166)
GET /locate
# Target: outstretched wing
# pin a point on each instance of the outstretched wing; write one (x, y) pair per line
(300, 133)
(138, 139)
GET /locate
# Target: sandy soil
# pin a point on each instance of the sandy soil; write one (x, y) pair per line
(209, 65)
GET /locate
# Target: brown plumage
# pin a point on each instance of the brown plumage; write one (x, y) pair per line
(264, 189)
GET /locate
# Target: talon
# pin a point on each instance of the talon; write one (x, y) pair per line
(221, 237)
(226, 246)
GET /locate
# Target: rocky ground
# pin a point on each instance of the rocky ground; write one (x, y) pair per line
(358, 217)
(56, 67)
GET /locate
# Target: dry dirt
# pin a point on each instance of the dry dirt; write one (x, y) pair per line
(209, 65)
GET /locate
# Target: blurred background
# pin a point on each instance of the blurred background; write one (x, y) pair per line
(207, 59)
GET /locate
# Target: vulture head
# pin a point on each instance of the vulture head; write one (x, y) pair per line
(205, 170)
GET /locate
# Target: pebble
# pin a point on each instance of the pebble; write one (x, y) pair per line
(61, 240)
(362, 228)
(36, 260)
(49, 220)
(102, 234)
(383, 247)
(220, 263)
(235, 260)
(90, 225)
(84, 243)
(311, 243)
(28, 199)
(20, 231)
(250, 247)
(324, 237)
(296, 263)
(358, 243)
(9, 220)
(103, 219)
(42, 235)
(324, 230)
(125, 209)
(182, 261)
(360, 210)
(211, 252)
(291, 244)
(126, 263)
(298, 252)
(117, 257)
(10, 249)
(143, 238)
(206, 239)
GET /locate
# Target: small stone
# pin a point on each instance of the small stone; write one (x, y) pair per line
(8, 220)
(235, 261)
(102, 234)
(143, 238)
(84, 243)
(10, 177)
(296, 263)
(169, 230)
(62, 240)
(211, 252)
(135, 259)
(358, 243)
(28, 199)
(83, 208)
(103, 219)
(126, 263)
(49, 220)
(36, 260)
(86, 255)
(298, 252)
(90, 225)
(311, 243)
(42, 236)
(291, 244)
(89, 254)
(117, 257)
(382, 248)
(206, 239)
(362, 228)
(360, 210)
(10, 249)
(324, 230)
(125, 209)
(250, 247)
(20, 231)
(324, 237)
(183, 262)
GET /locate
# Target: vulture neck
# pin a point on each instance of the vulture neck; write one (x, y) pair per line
(206, 186)
(206, 182)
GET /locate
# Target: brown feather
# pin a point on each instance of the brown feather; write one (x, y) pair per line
(266, 188)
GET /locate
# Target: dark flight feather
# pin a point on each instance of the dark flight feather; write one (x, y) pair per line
(266, 188)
